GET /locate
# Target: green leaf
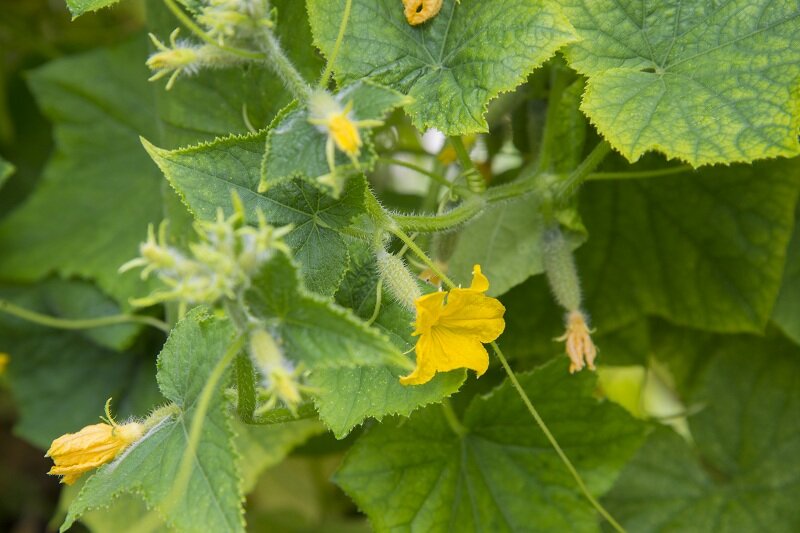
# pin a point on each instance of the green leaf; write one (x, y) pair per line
(80, 7)
(742, 475)
(6, 169)
(787, 309)
(705, 249)
(347, 396)
(296, 148)
(262, 447)
(212, 500)
(506, 241)
(61, 379)
(501, 475)
(99, 191)
(706, 82)
(206, 174)
(312, 329)
(453, 65)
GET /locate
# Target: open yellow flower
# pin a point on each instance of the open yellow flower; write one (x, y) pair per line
(452, 327)
(77, 453)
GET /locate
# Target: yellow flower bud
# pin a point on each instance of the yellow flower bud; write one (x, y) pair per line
(77, 453)
(345, 134)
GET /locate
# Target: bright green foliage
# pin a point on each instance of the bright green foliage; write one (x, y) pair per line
(743, 473)
(501, 475)
(787, 309)
(349, 395)
(311, 329)
(704, 249)
(61, 379)
(212, 499)
(205, 175)
(453, 65)
(296, 148)
(98, 102)
(506, 241)
(706, 82)
(79, 7)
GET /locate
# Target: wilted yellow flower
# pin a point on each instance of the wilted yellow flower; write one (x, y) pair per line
(452, 327)
(419, 11)
(77, 453)
(580, 347)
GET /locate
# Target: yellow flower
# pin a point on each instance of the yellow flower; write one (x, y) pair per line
(419, 11)
(93, 446)
(4, 359)
(452, 327)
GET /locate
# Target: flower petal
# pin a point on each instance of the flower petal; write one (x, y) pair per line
(469, 313)
(480, 282)
(429, 308)
(441, 351)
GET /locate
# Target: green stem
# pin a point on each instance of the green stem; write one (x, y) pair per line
(569, 186)
(79, 323)
(438, 178)
(378, 298)
(462, 153)
(596, 176)
(400, 234)
(452, 419)
(553, 442)
(283, 66)
(192, 26)
(557, 86)
(323, 81)
(444, 221)
(245, 388)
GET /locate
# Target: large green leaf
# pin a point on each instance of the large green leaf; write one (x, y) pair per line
(99, 191)
(312, 329)
(206, 174)
(501, 475)
(706, 249)
(347, 396)
(743, 473)
(296, 148)
(787, 309)
(212, 500)
(452, 65)
(61, 379)
(707, 82)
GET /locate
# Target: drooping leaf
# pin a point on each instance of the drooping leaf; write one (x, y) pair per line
(206, 174)
(312, 329)
(99, 191)
(501, 474)
(347, 396)
(706, 82)
(705, 250)
(742, 475)
(212, 500)
(60, 379)
(296, 148)
(787, 309)
(452, 65)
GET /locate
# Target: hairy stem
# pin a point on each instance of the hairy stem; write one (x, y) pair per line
(283, 66)
(80, 323)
